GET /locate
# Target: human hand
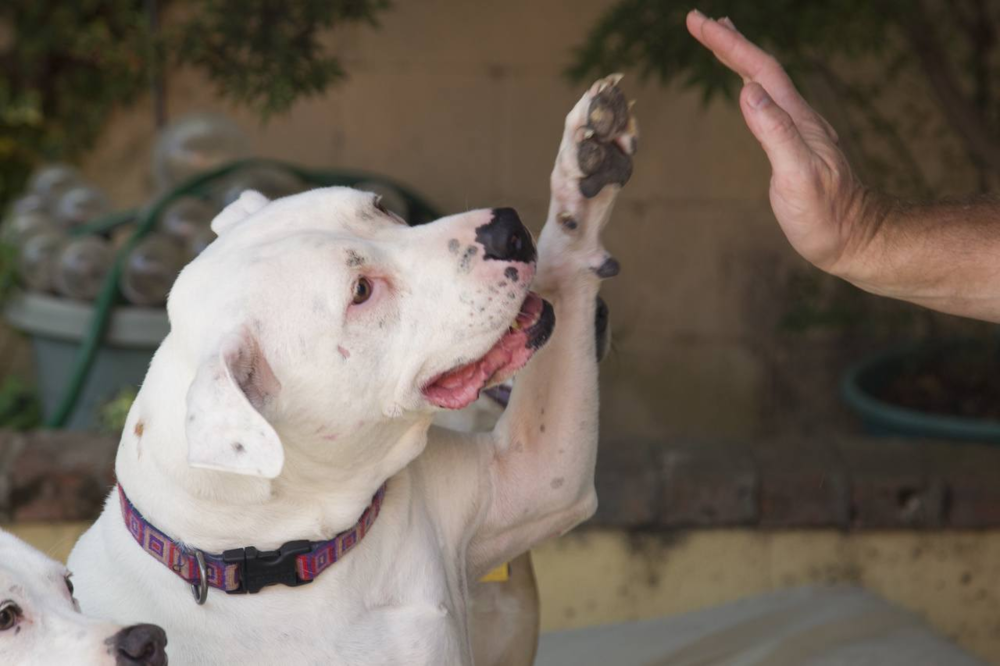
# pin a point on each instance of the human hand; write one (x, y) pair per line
(823, 209)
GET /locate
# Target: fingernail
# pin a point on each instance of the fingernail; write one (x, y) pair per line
(757, 97)
(726, 21)
(697, 13)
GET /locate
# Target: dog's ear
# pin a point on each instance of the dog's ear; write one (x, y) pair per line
(249, 203)
(225, 427)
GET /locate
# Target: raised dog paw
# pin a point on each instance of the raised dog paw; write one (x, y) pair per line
(594, 162)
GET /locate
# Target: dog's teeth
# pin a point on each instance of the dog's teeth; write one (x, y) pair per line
(587, 133)
(516, 325)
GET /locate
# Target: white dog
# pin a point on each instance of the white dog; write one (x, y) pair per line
(310, 347)
(41, 625)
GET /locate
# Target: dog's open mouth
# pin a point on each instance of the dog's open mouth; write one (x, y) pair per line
(459, 387)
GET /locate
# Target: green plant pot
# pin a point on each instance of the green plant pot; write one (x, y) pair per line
(57, 325)
(883, 418)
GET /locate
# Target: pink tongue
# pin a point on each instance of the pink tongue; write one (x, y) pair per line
(460, 387)
(459, 377)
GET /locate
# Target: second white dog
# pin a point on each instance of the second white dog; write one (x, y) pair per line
(40, 624)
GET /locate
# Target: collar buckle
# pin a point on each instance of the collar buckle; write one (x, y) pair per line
(260, 568)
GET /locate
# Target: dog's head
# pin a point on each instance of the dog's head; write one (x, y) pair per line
(40, 622)
(319, 315)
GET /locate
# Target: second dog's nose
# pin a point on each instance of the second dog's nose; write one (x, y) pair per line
(141, 645)
(505, 238)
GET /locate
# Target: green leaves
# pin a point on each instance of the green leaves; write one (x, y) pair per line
(65, 66)
(113, 414)
(20, 406)
(273, 54)
(856, 58)
(650, 36)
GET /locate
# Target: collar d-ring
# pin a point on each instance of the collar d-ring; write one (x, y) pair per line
(200, 589)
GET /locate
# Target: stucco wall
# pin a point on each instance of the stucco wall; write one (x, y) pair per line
(465, 102)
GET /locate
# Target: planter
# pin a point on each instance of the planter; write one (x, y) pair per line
(86, 354)
(57, 326)
(863, 382)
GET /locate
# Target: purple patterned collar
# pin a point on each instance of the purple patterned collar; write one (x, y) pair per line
(246, 570)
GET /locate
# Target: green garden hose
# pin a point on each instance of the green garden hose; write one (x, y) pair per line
(146, 219)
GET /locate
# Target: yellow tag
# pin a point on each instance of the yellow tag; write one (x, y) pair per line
(499, 575)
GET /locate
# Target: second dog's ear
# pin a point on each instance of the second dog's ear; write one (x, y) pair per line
(249, 203)
(225, 427)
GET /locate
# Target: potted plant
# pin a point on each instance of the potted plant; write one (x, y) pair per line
(93, 294)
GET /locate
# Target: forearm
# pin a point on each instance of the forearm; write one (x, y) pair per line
(544, 448)
(944, 256)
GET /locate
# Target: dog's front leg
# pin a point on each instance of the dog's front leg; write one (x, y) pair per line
(545, 446)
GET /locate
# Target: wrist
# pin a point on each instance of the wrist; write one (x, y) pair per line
(864, 228)
(565, 260)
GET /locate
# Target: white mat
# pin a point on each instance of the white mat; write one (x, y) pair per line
(842, 626)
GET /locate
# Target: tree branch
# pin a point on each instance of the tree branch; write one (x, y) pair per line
(964, 18)
(878, 122)
(980, 141)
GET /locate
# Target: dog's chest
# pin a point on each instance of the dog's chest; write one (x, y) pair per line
(413, 609)
(393, 600)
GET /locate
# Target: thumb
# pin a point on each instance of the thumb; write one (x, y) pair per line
(775, 129)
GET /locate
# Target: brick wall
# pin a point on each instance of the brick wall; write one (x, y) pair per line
(839, 482)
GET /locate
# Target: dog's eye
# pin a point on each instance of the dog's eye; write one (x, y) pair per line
(69, 583)
(10, 613)
(362, 291)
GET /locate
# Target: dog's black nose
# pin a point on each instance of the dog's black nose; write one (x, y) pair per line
(140, 645)
(505, 238)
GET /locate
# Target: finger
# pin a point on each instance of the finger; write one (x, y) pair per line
(743, 56)
(827, 127)
(695, 22)
(727, 22)
(774, 128)
(754, 64)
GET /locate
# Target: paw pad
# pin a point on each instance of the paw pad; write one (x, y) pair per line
(604, 153)
(608, 115)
